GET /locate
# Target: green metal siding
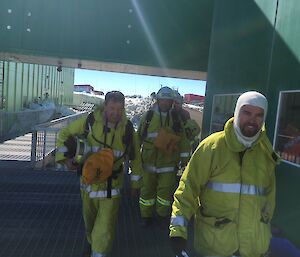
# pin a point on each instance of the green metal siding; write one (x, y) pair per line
(255, 45)
(1, 84)
(240, 49)
(285, 68)
(18, 86)
(11, 86)
(25, 83)
(285, 75)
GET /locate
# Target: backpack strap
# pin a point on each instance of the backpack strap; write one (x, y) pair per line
(128, 136)
(176, 121)
(148, 119)
(90, 120)
(128, 139)
(129, 149)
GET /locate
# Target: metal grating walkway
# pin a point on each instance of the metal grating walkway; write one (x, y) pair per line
(40, 213)
(41, 217)
(16, 149)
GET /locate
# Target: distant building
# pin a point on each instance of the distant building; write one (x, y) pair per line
(84, 88)
(192, 98)
(97, 92)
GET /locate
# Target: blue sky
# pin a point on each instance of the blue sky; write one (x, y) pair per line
(131, 84)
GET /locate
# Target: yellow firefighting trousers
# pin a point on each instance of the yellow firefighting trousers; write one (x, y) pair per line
(157, 191)
(100, 218)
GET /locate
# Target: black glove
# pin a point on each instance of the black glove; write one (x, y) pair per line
(70, 143)
(178, 244)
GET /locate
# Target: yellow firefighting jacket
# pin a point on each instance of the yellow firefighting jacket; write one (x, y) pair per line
(114, 140)
(154, 160)
(191, 131)
(231, 191)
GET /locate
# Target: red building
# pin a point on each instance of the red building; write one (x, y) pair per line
(192, 98)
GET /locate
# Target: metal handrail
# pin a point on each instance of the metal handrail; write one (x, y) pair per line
(40, 145)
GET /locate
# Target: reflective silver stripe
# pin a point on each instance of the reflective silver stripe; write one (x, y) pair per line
(117, 153)
(135, 177)
(62, 149)
(103, 194)
(253, 190)
(183, 254)
(185, 154)
(158, 170)
(94, 254)
(96, 148)
(98, 194)
(152, 135)
(87, 188)
(145, 202)
(179, 221)
(224, 187)
(163, 201)
(236, 188)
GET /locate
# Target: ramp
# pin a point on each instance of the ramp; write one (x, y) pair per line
(41, 217)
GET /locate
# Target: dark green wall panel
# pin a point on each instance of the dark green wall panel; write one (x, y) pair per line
(255, 45)
(285, 75)
(285, 67)
(288, 203)
(163, 34)
(240, 49)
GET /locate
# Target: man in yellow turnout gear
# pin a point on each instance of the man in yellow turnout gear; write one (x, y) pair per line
(229, 186)
(160, 154)
(110, 138)
(190, 128)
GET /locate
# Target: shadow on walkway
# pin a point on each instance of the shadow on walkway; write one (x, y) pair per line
(41, 217)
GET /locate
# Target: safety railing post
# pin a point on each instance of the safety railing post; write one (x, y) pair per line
(33, 147)
(1, 126)
(44, 147)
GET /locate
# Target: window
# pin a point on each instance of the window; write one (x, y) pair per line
(287, 134)
(223, 109)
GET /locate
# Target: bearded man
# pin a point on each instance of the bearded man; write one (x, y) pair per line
(229, 188)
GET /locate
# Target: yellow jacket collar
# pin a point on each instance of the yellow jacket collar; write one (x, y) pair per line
(232, 141)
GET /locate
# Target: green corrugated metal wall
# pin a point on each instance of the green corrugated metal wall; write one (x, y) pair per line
(256, 45)
(285, 75)
(24, 83)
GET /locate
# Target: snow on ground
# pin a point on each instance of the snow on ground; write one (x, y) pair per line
(195, 107)
(136, 106)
